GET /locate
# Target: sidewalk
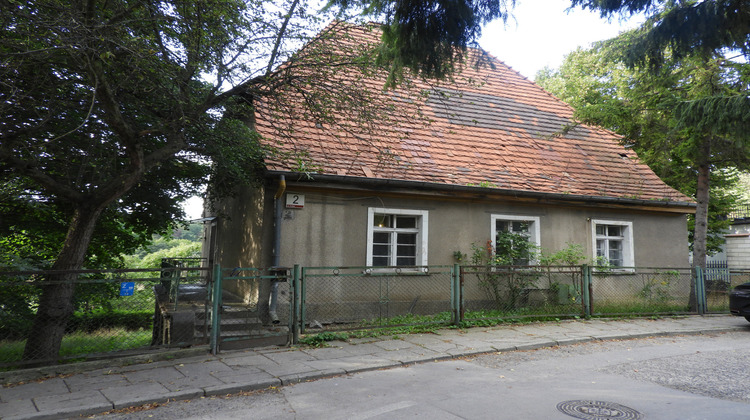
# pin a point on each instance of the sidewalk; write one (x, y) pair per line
(100, 389)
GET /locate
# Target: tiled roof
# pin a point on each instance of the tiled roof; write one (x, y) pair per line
(489, 127)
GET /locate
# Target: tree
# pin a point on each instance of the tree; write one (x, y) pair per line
(123, 107)
(639, 105)
(684, 28)
(702, 33)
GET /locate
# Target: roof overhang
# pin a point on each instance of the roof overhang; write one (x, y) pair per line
(465, 192)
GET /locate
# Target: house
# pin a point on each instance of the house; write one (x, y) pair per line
(735, 253)
(738, 242)
(445, 165)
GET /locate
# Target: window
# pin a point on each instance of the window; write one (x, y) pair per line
(515, 238)
(613, 243)
(396, 237)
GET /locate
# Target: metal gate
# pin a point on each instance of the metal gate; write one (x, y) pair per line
(250, 307)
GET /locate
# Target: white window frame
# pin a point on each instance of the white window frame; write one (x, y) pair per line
(422, 236)
(534, 231)
(628, 257)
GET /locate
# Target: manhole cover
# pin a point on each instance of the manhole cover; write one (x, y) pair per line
(597, 410)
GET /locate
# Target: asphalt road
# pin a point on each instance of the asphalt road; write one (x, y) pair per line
(684, 377)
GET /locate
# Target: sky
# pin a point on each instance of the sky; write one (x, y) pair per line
(539, 34)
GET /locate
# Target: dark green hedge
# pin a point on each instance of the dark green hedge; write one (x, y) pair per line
(18, 326)
(92, 321)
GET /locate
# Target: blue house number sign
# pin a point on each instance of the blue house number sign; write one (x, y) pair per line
(127, 288)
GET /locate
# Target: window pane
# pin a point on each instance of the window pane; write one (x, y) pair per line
(600, 229)
(381, 250)
(615, 253)
(615, 230)
(407, 245)
(383, 220)
(600, 251)
(407, 239)
(520, 227)
(381, 237)
(406, 222)
(502, 226)
(380, 261)
(406, 251)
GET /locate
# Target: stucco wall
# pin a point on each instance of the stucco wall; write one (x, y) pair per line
(244, 234)
(331, 229)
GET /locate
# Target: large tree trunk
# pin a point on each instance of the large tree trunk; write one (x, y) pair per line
(700, 232)
(56, 301)
(701, 217)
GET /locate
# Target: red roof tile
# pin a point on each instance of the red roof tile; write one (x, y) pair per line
(487, 127)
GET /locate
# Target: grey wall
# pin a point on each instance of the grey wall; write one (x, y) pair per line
(331, 229)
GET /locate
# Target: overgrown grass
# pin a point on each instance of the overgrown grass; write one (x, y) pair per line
(639, 308)
(420, 324)
(412, 324)
(81, 344)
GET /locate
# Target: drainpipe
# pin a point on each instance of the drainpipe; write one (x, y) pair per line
(276, 249)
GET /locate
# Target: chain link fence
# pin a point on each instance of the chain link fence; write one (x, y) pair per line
(353, 298)
(122, 312)
(503, 292)
(642, 291)
(113, 313)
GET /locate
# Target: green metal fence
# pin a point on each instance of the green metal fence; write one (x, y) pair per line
(348, 298)
(115, 313)
(520, 291)
(123, 312)
(642, 291)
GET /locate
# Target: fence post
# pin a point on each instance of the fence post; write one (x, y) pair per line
(302, 300)
(454, 294)
(700, 291)
(586, 290)
(215, 309)
(295, 318)
(457, 295)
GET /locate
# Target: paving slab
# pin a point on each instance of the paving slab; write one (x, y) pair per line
(328, 353)
(100, 389)
(87, 382)
(251, 384)
(17, 409)
(203, 367)
(256, 360)
(90, 401)
(54, 386)
(152, 376)
(287, 356)
(287, 369)
(394, 345)
(191, 383)
(135, 392)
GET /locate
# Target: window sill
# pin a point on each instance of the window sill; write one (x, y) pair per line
(613, 271)
(401, 271)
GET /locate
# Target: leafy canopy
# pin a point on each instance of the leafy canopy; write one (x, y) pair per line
(650, 109)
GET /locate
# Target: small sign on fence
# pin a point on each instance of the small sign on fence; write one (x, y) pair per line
(127, 288)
